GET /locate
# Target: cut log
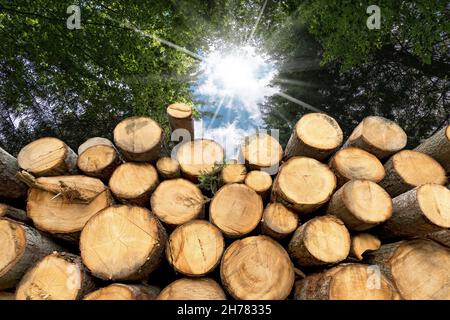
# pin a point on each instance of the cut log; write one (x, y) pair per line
(236, 210)
(58, 276)
(320, 241)
(257, 268)
(356, 164)
(443, 237)
(122, 243)
(379, 136)
(418, 268)
(195, 248)
(177, 201)
(62, 218)
(47, 157)
(438, 147)
(346, 282)
(21, 247)
(316, 135)
(362, 243)
(418, 212)
(260, 181)
(119, 291)
(261, 151)
(303, 184)
(97, 157)
(10, 186)
(168, 168)
(199, 157)
(361, 204)
(13, 213)
(233, 172)
(139, 138)
(134, 183)
(180, 117)
(192, 289)
(408, 169)
(278, 221)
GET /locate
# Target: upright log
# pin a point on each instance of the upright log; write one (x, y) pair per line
(180, 117)
(438, 147)
(278, 221)
(97, 157)
(261, 151)
(10, 185)
(119, 291)
(192, 289)
(316, 135)
(168, 168)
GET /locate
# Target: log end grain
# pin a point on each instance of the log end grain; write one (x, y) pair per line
(168, 168)
(260, 181)
(233, 172)
(119, 291)
(278, 221)
(192, 289)
(261, 151)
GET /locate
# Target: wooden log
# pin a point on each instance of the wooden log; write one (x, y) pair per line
(139, 138)
(21, 247)
(119, 291)
(260, 181)
(97, 157)
(438, 147)
(13, 213)
(418, 212)
(168, 168)
(442, 236)
(261, 151)
(233, 172)
(362, 243)
(349, 281)
(199, 157)
(257, 268)
(320, 241)
(356, 164)
(122, 243)
(177, 201)
(180, 117)
(58, 276)
(303, 184)
(134, 183)
(408, 169)
(236, 210)
(418, 268)
(361, 204)
(47, 157)
(316, 135)
(192, 289)
(195, 248)
(10, 186)
(278, 221)
(62, 218)
(379, 136)
(7, 296)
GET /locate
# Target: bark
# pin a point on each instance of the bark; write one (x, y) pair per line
(10, 186)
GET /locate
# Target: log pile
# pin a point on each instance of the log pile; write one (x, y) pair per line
(323, 219)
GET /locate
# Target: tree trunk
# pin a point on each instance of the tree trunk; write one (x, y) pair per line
(58, 276)
(362, 243)
(177, 201)
(97, 157)
(199, 157)
(195, 248)
(133, 183)
(320, 241)
(303, 184)
(139, 138)
(418, 212)
(192, 289)
(13, 213)
(409, 169)
(379, 136)
(168, 168)
(278, 221)
(180, 117)
(22, 246)
(119, 291)
(236, 210)
(443, 237)
(233, 172)
(268, 275)
(418, 268)
(361, 204)
(260, 181)
(316, 135)
(356, 164)
(47, 157)
(122, 243)
(438, 147)
(10, 186)
(345, 282)
(261, 151)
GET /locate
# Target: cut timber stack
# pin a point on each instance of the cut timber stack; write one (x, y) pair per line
(97, 157)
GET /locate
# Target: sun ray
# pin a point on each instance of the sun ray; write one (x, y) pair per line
(299, 102)
(257, 22)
